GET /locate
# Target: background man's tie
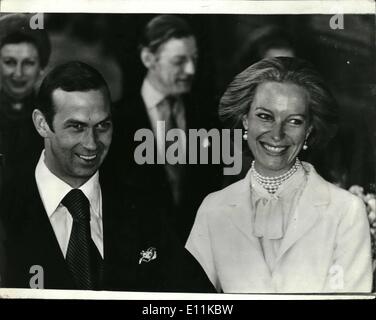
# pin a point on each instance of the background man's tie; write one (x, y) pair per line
(78, 253)
(175, 172)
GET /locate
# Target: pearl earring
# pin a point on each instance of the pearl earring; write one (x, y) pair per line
(245, 135)
(305, 146)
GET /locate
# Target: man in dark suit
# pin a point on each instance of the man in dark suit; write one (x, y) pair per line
(2, 253)
(168, 50)
(66, 227)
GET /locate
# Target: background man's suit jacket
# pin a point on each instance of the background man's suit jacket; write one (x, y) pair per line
(127, 230)
(199, 181)
(2, 252)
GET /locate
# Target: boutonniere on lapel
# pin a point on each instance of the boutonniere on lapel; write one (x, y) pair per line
(148, 255)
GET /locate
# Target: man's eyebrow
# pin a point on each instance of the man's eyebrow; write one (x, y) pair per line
(108, 118)
(76, 121)
(179, 56)
(184, 55)
(73, 121)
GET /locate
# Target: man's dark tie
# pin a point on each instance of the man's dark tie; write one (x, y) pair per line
(78, 255)
(175, 172)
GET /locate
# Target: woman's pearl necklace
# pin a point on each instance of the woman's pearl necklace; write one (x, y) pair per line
(271, 184)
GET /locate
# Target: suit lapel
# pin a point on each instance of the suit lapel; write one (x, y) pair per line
(190, 113)
(117, 223)
(239, 209)
(40, 243)
(307, 212)
(141, 120)
(144, 120)
(241, 217)
(119, 240)
(137, 115)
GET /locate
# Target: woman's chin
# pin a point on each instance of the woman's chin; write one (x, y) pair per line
(273, 167)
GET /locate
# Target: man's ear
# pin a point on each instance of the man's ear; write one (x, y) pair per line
(147, 57)
(40, 123)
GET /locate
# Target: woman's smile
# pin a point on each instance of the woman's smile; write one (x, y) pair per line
(273, 150)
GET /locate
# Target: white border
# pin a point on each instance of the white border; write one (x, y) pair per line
(192, 6)
(112, 295)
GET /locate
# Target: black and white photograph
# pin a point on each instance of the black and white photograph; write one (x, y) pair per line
(200, 152)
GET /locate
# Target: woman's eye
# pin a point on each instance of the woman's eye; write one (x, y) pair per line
(296, 122)
(264, 116)
(30, 63)
(9, 62)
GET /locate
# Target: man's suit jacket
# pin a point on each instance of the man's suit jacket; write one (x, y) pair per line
(127, 230)
(199, 180)
(326, 247)
(18, 137)
(2, 253)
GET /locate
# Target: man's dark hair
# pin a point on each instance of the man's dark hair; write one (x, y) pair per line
(163, 28)
(70, 76)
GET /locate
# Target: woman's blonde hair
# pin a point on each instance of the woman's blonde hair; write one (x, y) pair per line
(323, 109)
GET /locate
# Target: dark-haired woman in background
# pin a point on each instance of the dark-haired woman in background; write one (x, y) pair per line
(24, 54)
(282, 228)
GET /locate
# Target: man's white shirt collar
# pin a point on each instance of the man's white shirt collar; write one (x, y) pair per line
(152, 97)
(53, 190)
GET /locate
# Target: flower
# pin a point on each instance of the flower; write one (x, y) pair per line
(148, 255)
(357, 190)
(372, 217)
(370, 203)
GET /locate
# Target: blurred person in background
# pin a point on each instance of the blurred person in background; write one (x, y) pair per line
(264, 42)
(169, 53)
(24, 54)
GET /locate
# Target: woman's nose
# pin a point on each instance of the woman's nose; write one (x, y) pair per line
(18, 72)
(277, 132)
